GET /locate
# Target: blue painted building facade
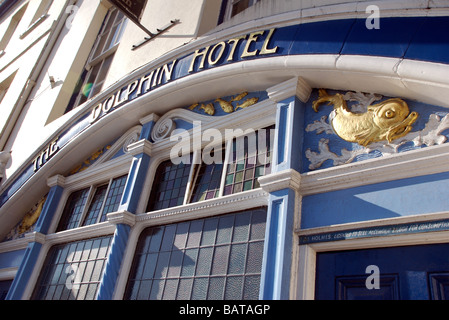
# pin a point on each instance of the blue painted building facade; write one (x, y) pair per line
(128, 222)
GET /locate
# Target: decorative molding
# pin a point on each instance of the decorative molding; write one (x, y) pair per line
(35, 237)
(166, 124)
(152, 117)
(221, 205)
(14, 245)
(289, 178)
(91, 231)
(140, 147)
(57, 180)
(409, 164)
(414, 219)
(102, 172)
(129, 137)
(294, 87)
(123, 217)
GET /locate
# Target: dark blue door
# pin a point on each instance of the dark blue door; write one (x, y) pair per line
(4, 287)
(399, 273)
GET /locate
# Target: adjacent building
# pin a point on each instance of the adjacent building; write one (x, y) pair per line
(224, 149)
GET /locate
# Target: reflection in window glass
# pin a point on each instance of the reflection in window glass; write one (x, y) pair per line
(207, 185)
(215, 258)
(73, 210)
(105, 199)
(73, 271)
(92, 78)
(250, 159)
(169, 186)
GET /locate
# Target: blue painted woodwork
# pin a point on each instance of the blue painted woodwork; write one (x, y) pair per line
(25, 271)
(431, 41)
(145, 133)
(411, 196)
(49, 209)
(135, 182)
(276, 265)
(289, 128)
(114, 262)
(417, 38)
(405, 273)
(129, 203)
(29, 258)
(11, 259)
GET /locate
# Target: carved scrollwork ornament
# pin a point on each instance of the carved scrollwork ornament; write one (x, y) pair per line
(162, 129)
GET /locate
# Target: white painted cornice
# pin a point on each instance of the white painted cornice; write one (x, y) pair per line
(281, 180)
(222, 205)
(57, 180)
(122, 217)
(430, 160)
(91, 231)
(140, 147)
(294, 87)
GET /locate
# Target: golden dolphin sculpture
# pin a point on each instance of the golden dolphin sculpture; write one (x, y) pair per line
(387, 120)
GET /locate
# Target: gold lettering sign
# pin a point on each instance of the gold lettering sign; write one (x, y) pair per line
(214, 54)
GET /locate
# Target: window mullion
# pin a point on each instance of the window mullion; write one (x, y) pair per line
(87, 205)
(81, 94)
(228, 155)
(100, 34)
(100, 214)
(194, 170)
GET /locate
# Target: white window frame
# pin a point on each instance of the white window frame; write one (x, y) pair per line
(262, 115)
(230, 5)
(99, 60)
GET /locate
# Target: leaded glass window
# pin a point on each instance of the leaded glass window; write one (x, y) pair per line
(250, 159)
(208, 180)
(74, 210)
(169, 186)
(73, 271)
(91, 205)
(214, 258)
